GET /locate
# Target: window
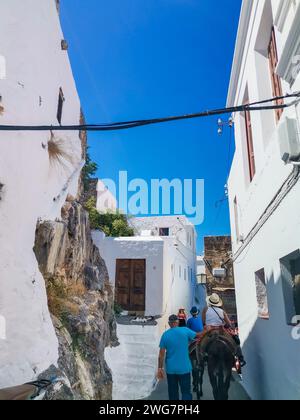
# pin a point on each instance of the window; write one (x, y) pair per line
(185, 274)
(61, 100)
(164, 232)
(261, 294)
(276, 83)
(179, 271)
(249, 138)
(290, 273)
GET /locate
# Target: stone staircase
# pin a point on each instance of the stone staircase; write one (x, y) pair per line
(134, 362)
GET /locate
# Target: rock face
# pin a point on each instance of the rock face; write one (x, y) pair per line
(81, 304)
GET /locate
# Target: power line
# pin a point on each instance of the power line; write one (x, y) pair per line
(256, 106)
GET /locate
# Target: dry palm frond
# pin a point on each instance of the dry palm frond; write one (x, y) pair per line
(58, 152)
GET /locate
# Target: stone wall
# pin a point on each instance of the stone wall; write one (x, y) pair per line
(80, 301)
(217, 252)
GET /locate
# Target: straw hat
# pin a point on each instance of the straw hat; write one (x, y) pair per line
(214, 300)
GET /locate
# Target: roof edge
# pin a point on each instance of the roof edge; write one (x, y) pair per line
(244, 21)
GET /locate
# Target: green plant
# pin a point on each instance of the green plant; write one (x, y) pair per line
(78, 343)
(89, 170)
(112, 224)
(94, 215)
(117, 308)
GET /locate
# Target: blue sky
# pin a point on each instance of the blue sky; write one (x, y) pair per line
(137, 59)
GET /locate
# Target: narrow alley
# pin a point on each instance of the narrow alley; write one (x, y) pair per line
(236, 392)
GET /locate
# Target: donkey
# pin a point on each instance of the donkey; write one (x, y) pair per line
(220, 356)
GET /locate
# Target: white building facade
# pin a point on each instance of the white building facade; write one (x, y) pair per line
(153, 272)
(153, 275)
(36, 88)
(264, 194)
(200, 291)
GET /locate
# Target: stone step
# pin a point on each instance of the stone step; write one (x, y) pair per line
(136, 391)
(140, 342)
(135, 369)
(140, 364)
(139, 333)
(141, 347)
(134, 336)
(137, 378)
(145, 357)
(130, 397)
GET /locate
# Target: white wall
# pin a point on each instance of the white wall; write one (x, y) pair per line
(136, 248)
(270, 170)
(179, 228)
(134, 362)
(106, 201)
(179, 285)
(170, 270)
(179, 259)
(273, 369)
(200, 293)
(30, 36)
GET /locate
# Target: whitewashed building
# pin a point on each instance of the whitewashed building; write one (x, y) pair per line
(200, 291)
(153, 275)
(36, 87)
(264, 194)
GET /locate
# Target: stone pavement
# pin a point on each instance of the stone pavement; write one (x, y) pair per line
(236, 392)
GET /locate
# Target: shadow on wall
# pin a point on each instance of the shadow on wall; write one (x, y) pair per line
(200, 297)
(272, 351)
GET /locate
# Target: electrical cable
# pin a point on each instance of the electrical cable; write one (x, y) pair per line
(140, 123)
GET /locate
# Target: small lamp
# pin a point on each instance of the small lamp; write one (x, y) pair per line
(201, 278)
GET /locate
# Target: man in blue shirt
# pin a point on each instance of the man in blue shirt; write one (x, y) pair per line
(195, 323)
(174, 347)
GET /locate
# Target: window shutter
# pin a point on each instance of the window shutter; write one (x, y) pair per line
(276, 82)
(251, 157)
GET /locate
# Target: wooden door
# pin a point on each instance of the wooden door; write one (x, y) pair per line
(131, 284)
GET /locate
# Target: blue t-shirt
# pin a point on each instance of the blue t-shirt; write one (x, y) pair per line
(176, 343)
(195, 324)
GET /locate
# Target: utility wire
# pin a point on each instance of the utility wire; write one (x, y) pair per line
(256, 106)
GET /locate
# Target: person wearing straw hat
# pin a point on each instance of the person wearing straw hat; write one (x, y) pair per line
(214, 317)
